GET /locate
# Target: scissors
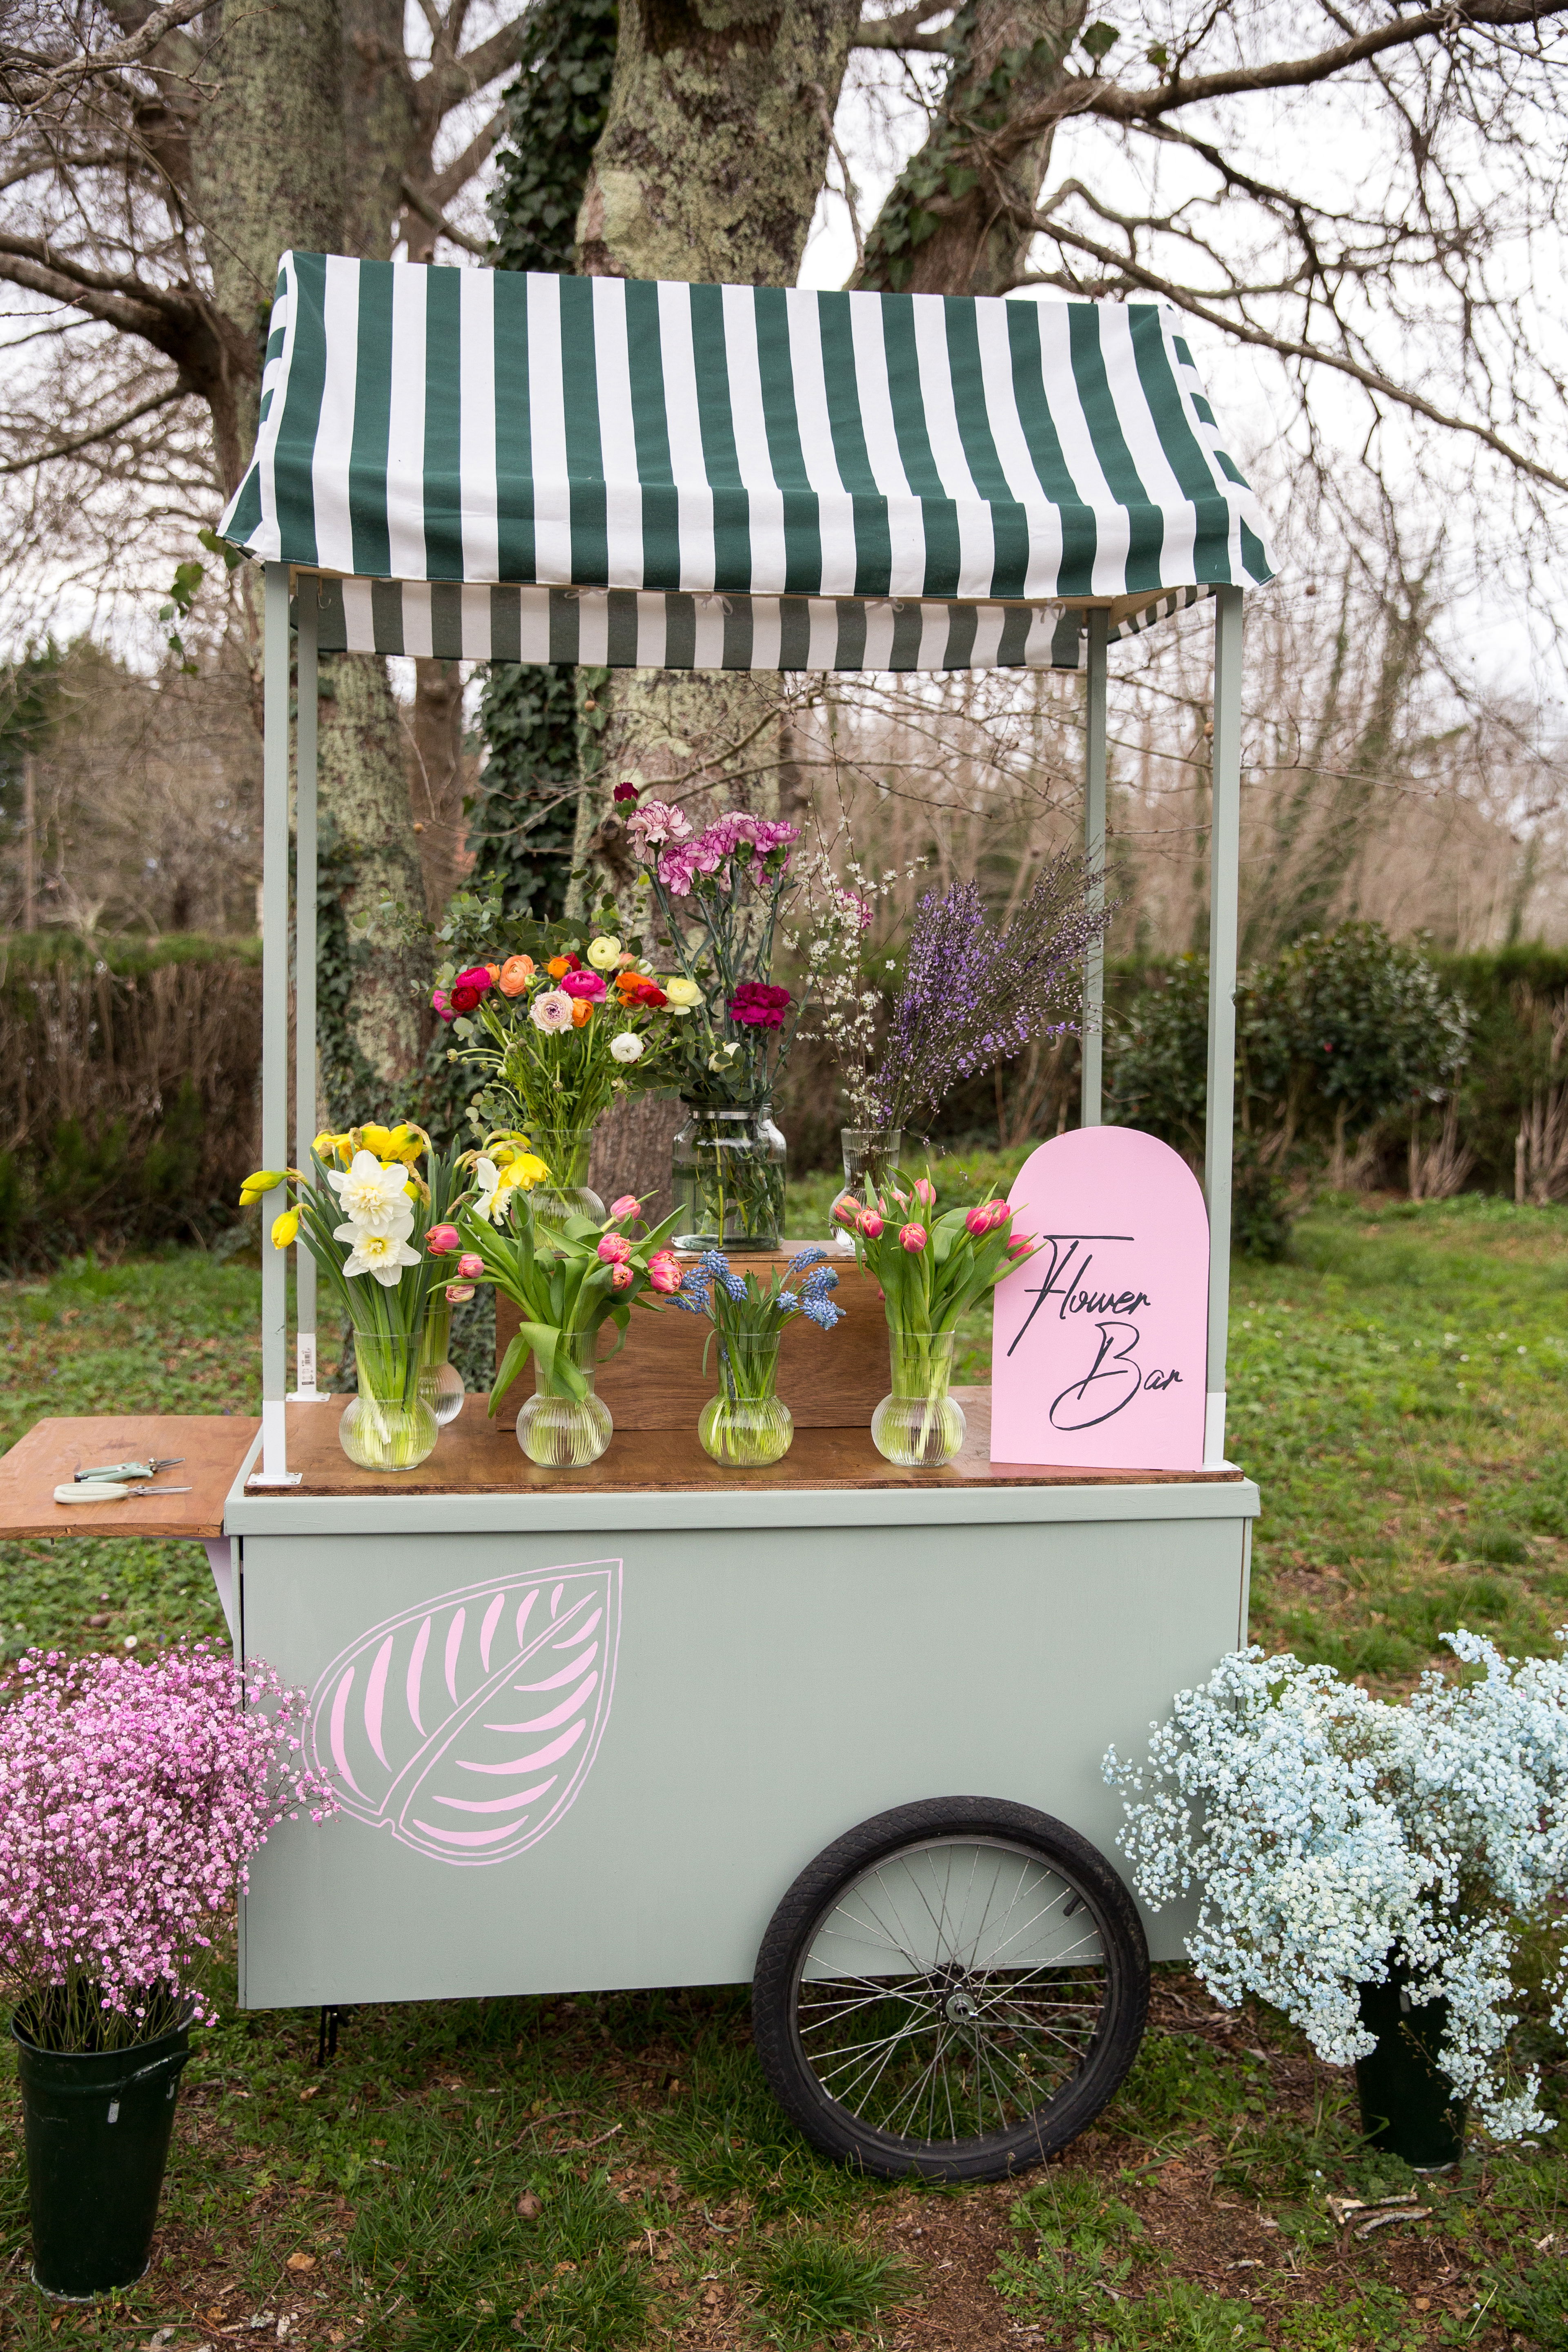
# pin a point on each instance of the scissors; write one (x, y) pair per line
(122, 1470)
(99, 1490)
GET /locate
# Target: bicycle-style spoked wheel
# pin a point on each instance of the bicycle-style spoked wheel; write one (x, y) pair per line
(954, 1989)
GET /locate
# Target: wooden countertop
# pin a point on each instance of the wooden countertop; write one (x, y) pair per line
(476, 1455)
(212, 1444)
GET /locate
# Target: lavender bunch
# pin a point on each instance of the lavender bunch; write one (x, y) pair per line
(973, 996)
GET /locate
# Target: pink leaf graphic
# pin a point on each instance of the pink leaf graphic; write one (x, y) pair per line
(463, 1790)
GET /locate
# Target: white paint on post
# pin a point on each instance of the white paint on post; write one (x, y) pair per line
(274, 1470)
(1091, 1113)
(1224, 865)
(305, 1390)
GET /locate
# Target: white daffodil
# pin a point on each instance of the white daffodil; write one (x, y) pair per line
(372, 1197)
(496, 1185)
(382, 1254)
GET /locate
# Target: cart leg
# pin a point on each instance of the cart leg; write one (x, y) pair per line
(305, 1390)
(1092, 1049)
(274, 1470)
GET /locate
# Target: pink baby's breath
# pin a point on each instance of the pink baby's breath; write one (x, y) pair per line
(133, 1794)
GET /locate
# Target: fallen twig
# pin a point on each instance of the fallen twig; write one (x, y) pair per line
(1405, 2213)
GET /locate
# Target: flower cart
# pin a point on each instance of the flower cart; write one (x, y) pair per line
(829, 1724)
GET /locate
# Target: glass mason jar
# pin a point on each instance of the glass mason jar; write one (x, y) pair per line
(870, 1156)
(564, 1150)
(728, 1168)
(920, 1426)
(566, 1424)
(440, 1382)
(746, 1425)
(389, 1425)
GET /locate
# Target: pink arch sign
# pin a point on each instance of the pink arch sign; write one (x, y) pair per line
(1099, 1357)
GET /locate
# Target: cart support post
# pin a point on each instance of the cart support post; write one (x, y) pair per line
(1092, 1043)
(1225, 871)
(274, 1469)
(305, 1390)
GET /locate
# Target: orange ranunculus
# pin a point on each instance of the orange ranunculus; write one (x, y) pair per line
(494, 972)
(515, 975)
(628, 982)
(581, 1011)
(558, 966)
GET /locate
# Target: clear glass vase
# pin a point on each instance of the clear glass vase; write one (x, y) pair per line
(440, 1382)
(728, 1168)
(746, 1425)
(389, 1424)
(870, 1156)
(565, 1151)
(565, 1424)
(919, 1426)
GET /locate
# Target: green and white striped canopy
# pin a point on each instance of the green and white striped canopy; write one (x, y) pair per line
(485, 462)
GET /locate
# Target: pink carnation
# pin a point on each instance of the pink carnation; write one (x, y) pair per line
(655, 822)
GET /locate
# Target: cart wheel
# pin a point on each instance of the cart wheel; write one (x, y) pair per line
(952, 1989)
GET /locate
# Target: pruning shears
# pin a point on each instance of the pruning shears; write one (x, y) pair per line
(119, 1471)
(108, 1490)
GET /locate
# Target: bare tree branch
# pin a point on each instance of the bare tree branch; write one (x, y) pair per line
(1289, 347)
(32, 80)
(438, 221)
(180, 391)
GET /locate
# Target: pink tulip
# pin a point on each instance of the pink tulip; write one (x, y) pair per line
(459, 1293)
(664, 1274)
(846, 1211)
(1018, 1246)
(870, 1224)
(925, 1191)
(614, 1249)
(977, 1221)
(998, 1212)
(442, 1238)
(626, 1206)
(621, 1277)
(913, 1237)
(470, 1266)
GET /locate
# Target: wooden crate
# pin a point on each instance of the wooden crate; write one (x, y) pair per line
(829, 1380)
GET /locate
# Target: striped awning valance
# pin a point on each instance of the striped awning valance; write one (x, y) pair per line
(785, 451)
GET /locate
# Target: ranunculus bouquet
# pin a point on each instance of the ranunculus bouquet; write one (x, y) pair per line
(566, 1280)
(559, 1038)
(932, 1270)
(131, 1796)
(366, 1215)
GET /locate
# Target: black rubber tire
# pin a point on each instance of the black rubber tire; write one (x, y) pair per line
(833, 2128)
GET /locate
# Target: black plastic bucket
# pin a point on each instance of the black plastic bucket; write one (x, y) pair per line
(1407, 2103)
(97, 2125)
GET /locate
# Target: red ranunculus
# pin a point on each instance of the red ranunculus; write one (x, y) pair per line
(756, 1005)
(470, 986)
(464, 999)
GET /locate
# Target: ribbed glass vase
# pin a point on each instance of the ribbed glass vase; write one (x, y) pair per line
(746, 1426)
(389, 1424)
(920, 1426)
(440, 1382)
(566, 1424)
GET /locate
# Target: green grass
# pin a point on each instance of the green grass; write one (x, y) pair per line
(584, 2175)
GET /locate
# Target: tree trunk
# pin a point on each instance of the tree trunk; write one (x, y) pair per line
(438, 779)
(950, 224)
(293, 78)
(709, 169)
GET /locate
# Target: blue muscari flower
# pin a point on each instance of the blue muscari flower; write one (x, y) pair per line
(733, 1283)
(712, 1262)
(688, 1306)
(811, 1255)
(785, 1301)
(822, 1311)
(817, 1284)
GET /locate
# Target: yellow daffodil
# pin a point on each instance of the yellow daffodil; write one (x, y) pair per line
(340, 1148)
(285, 1228)
(525, 1171)
(389, 1143)
(265, 1180)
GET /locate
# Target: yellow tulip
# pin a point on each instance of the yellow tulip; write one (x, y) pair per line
(285, 1228)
